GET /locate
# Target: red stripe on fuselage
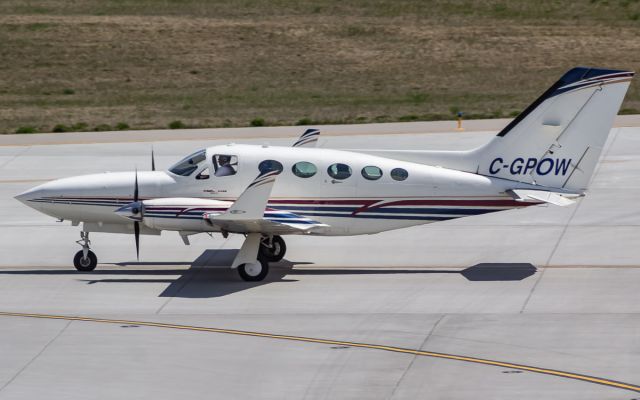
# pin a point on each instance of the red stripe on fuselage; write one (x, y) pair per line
(470, 203)
(374, 203)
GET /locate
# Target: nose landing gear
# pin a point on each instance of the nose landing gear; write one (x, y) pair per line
(85, 260)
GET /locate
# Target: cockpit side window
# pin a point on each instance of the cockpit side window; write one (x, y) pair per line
(187, 165)
(225, 165)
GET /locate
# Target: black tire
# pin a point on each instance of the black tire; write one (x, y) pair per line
(250, 275)
(85, 264)
(277, 250)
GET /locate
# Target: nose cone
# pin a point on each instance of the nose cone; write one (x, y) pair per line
(29, 196)
(133, 211)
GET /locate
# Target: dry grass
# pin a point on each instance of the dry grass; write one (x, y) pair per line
(150, 62)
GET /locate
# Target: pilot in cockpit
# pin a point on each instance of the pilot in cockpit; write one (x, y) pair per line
(224, 166)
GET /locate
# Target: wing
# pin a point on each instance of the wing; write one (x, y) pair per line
(248, 214)
(308, 139)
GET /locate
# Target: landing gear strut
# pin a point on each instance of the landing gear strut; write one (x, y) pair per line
(85, 260)
(273, 248)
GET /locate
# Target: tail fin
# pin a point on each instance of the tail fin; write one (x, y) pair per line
(557, 140)
(308, 139)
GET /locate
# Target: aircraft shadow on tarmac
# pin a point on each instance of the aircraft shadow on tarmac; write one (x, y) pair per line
(209, 275)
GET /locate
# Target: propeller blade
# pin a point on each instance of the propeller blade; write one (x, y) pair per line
(135, 190)
(153, 160)
(136, 231)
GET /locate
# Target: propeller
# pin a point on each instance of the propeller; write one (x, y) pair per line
(136, 232)
(135, 188)
(135, 210)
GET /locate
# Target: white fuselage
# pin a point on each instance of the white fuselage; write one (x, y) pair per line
(350, 206)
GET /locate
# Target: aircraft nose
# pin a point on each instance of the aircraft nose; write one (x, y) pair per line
(29, 195)
(36, 196)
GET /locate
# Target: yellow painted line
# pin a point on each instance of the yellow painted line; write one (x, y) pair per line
(546, 371)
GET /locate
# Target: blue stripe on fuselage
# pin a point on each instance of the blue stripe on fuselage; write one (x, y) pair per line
(295, 212)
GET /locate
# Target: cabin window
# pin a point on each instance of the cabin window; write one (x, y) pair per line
(304, 169)
(399, 174)
(270, 165)
(339, 171)
(204, 174)
(225, 165)
(187, 165)
(371, 173)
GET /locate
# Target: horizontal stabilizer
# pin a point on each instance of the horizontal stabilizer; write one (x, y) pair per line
(536, 196)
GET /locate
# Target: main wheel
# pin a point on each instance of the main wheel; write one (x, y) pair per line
(85, 264)
(254, 272)
(276, 251)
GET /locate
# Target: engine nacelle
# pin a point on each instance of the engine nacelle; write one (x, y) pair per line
(176, 213)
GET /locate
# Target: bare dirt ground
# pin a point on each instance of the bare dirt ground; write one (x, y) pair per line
(209, 64)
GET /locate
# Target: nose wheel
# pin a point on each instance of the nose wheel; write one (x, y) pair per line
(273, 248)
(85, 260)
(85, 263)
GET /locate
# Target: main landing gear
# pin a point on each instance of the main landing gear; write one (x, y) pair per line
(85, 260)
(254, 272)
(272, 249)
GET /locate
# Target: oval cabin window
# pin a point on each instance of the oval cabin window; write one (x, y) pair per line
(371, 173)
(399, 174)
(304, 169)
(270, 165)
(339, 171)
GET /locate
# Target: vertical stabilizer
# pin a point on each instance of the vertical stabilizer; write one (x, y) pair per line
(557, 140)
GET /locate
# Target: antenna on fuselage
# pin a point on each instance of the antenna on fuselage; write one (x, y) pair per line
(153, 160)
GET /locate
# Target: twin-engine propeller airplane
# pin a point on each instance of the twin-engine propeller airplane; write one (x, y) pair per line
(546, 155)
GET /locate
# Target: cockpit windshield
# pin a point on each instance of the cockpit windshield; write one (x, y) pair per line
(187, 165)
